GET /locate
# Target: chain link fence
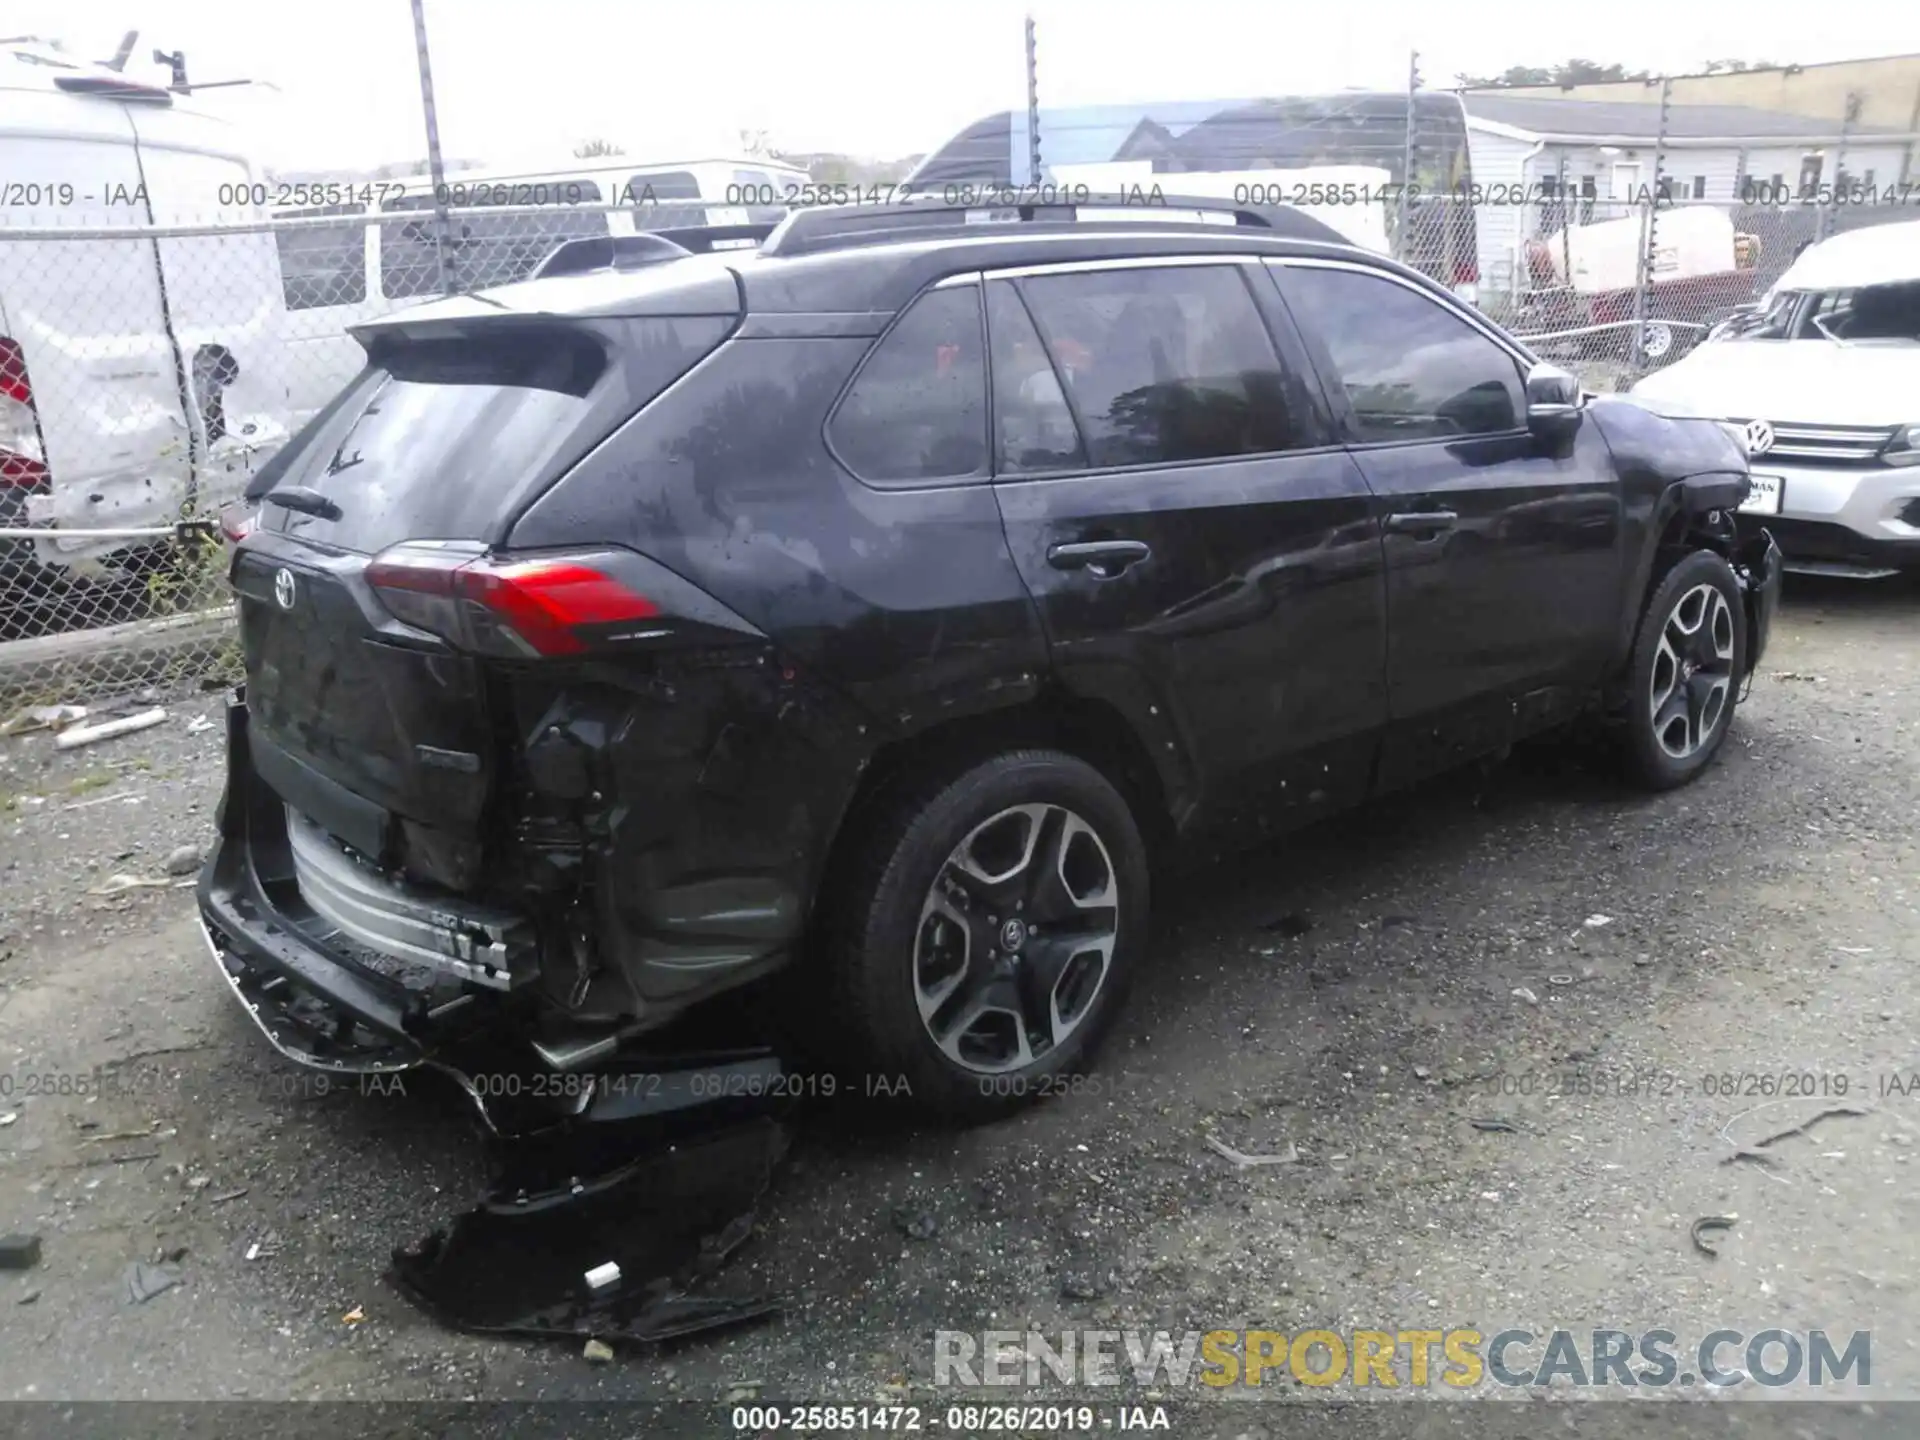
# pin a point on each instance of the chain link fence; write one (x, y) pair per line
(147, 373)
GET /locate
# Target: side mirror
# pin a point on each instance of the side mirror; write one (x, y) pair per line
(1554, 402)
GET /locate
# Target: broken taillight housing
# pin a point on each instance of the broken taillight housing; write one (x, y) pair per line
(23, 462)
(546, 605)
(238, 520)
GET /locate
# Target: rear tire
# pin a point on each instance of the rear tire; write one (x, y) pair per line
(1016, 889)
(1688, 664)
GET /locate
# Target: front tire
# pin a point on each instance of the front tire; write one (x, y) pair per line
(1688, 663)
(982, 942)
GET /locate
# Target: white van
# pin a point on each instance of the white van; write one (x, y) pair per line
(338, 275)
(140, 378)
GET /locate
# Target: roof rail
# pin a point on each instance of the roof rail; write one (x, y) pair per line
(829, 227)
(647, 247)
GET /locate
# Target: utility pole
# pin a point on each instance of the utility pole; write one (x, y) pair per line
(1650, 228)
(1406, 160)
(435, 167)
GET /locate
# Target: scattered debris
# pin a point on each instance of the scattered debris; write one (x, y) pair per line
(1804, 675)
(601, 1276)
(1421, 1072)
(8, 1118)
(28, 1298)
(265, 1248)
(199, 725)
(44, 717)
(353, 1316)
(146, 1281)
(1705, 1223)
(1290, 926)
(1494, 1125)
(108, 729)
(199, 1182)
(1560, 979)
(1805, 1126)
(19, 1252)
(134, 1158)
(182, 860)
(1854, 949)
(513, 1264)
(225, 1196)
(1289, 1156)
(744, 1391)
(916, 1224)
(118, 882)
(598, 1352)
(1594, 922)
(1081, 1285)
(1521, 992)
(1754, 1156)
(111, 1135)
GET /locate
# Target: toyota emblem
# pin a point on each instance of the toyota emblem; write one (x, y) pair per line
(1759, 437)
(283, 589)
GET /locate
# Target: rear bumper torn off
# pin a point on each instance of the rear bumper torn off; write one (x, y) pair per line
(293, 956)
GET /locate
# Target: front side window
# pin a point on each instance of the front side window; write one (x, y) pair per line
(918, 409)
(1411, 368)
(1166, 365)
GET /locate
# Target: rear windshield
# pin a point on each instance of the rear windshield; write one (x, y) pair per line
(443, 439)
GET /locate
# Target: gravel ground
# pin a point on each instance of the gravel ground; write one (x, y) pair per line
(1361, 993)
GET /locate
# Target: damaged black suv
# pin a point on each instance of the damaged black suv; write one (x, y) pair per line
(870, 601)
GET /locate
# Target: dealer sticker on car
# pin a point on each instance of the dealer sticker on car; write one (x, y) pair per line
(1763, 496)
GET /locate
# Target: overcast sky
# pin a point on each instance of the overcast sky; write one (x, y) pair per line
(521, 79)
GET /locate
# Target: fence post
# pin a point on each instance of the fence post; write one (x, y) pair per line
(435, 166)
(1400, 236)
(1849, 117)
(1650, 227)
(1033, 107)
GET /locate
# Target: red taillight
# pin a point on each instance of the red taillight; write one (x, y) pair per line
(14, 384)
(238, 520)
(513, 607)
(23, 463)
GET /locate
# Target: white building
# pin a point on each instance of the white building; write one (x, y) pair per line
(1529, 148)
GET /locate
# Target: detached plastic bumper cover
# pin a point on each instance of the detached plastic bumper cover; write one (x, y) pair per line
(1759, 566)
(318, 1002)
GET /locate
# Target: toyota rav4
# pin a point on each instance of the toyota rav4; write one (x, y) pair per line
(871, 604)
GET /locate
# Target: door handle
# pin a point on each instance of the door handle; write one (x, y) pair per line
(1421, 522)
(1105, 558)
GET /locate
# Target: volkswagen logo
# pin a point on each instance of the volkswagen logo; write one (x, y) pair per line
(283, 589)
(1759, 437)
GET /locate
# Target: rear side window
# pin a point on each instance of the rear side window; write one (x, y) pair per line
(1033, 428)
(484, 250)
(918, 410)
(440, 439)
(1166, 365)
(325, 264)
(1412, 369)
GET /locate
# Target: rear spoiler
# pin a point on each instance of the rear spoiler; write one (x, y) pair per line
(648, 247)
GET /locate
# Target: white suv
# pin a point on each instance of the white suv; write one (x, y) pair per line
(1824, 378)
